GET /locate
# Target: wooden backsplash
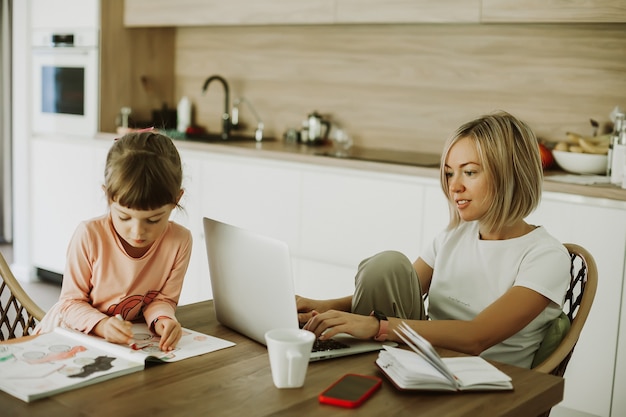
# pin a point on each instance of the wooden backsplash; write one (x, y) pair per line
(407, 86)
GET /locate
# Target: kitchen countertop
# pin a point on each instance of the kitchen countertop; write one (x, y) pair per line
(279, 150)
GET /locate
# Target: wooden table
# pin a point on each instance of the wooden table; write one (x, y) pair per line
(237, 382)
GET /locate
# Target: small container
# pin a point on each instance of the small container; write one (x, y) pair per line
(618, 158)
(614, 139)
(183, 114)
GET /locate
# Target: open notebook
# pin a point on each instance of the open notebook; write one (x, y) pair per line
(253, 290)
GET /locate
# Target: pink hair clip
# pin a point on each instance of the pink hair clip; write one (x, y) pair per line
(146, 129)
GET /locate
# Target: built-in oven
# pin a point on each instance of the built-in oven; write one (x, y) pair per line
(65, 81)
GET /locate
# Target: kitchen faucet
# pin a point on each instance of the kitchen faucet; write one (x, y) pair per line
(225, 116)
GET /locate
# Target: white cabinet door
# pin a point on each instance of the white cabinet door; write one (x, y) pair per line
(254, 194)
(66, 189)
(196, 286)
(262, 196)
(348, 215)
(602, 231)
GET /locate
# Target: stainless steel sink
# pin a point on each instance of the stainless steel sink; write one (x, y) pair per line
(420, 159)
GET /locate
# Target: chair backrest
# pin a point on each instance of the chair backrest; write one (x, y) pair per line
(18, 312)
(578, 301)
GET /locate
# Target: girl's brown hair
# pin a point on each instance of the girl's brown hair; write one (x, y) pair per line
(143, 171)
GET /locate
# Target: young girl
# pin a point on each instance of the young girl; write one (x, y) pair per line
(129, 264)
(494, 281)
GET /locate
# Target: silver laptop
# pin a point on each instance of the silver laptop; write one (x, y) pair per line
(253, 290)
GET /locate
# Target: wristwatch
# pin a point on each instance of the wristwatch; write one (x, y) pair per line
(383, 324)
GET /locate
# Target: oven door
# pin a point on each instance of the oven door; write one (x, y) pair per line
(65, 89)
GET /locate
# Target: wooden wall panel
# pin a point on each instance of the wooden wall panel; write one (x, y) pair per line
(125, 56)
(407, 11)
(553, 11)
(408, 86)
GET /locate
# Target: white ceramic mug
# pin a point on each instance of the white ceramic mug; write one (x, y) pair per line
(289, 352)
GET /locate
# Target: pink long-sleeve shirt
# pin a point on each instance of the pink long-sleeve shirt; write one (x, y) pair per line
(102, 280)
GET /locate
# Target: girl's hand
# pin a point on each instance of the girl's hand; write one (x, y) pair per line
(170, 331)
(328, 324)
(115, 330)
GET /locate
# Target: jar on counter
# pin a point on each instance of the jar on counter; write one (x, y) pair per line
(618, 151)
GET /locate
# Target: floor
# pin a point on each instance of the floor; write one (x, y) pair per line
(44, 293)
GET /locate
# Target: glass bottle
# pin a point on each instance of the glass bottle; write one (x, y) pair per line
(618, 151)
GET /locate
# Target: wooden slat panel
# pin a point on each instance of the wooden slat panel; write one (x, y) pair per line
(126, 55)
(232, 12)
(553, 11)
(407, 11)
(408, 86)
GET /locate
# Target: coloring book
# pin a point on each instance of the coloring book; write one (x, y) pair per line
(50, 363)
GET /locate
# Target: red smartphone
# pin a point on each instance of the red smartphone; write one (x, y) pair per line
(351, 390)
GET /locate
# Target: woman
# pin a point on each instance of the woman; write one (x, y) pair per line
(495, 282)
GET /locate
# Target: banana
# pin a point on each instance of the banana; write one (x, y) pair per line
(576, 149)
(589, 147)
(574, 138)
(561, 146)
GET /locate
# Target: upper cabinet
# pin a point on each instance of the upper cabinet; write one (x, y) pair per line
(407, 11)
(232, 12)
(143, 13)
(553, 11)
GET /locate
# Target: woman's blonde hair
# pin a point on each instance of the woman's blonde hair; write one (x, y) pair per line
(143, 171)
(509, 154)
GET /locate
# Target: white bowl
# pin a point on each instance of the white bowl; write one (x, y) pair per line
(581, 163)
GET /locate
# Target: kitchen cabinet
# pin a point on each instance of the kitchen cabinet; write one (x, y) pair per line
(600, 226)
(407, 11)
(555, 11)
(67, 190)
(349, 215)
(195, 288)
(164, 13)
(138, 13)
(234, 12)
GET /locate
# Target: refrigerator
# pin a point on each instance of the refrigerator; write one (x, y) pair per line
(6, 204)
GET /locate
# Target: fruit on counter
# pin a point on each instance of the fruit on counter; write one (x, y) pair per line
(547, 160)
(597, 140)
(589, 147)
(584, 144)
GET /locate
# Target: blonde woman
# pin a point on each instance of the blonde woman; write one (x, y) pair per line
(494, 281)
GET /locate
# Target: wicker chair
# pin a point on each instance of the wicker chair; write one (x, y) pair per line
(18, 312)
(578, 301)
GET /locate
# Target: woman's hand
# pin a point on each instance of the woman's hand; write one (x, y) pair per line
(307, 307)
(115, 330)
(328, 324)
(170, 331)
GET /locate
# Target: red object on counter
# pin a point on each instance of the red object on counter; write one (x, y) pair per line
(547, 159)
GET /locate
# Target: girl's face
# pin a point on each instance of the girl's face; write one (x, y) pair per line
(139, 229)
(467, 180)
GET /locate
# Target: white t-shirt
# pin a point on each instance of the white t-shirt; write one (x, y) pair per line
(469, 274)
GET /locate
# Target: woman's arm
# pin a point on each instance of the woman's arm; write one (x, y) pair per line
(506, 316)
(502, 319)
(424, 274)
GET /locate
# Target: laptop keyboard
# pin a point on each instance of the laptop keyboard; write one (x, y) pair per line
(329, 344)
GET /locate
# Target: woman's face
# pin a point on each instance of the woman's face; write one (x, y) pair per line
(467, 180)
(139, 229)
